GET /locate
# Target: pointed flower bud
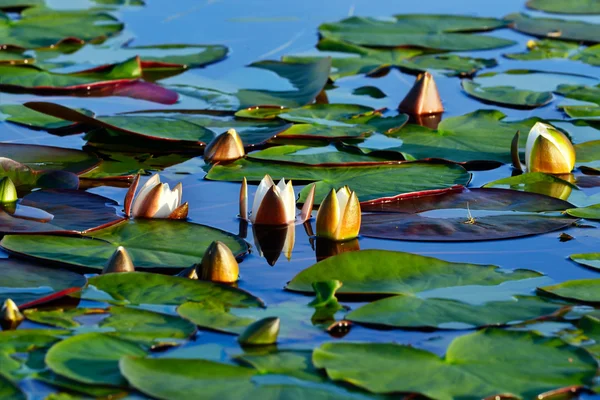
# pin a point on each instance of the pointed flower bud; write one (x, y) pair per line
(8, 191)
(274, 204)
(10, 316)
(548, 150)
(423, 97)
(218, 264)
(120, 261)
(261, 332)
(156, 200)
(227, 146)
(339, 215)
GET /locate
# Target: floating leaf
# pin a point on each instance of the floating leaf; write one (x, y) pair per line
(580, 92)
(60, 318)
(408, 311)
(296, 363)
(9, 390)
(590, 212)
(21, 115)
(468, 215)
(391, 272)
(545, 49)
(49, 158)
(589, 113)
(24, 282)
(26, 341)
(591, 260)
(583, 290)
(160, 244)
(561, 29)
(92, 358)
(369, 182)
(475, 366)
(537, 182)
(585, 7)
(589, 55)
(214, 316)
(506, 95)
(320, 156)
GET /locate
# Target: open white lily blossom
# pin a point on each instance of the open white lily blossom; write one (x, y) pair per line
(155, 200)
(547, 150)
(274, 204)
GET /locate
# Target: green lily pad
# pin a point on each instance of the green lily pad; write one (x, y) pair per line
(475, 366)
(20, 115)
(545, 49)
(39, 27)
(9, 390)
(139, 288)
(319, 156)
(26, 179)
(391, 272)
(583, 290)
(76, 389)
(307, 80)
(49, 158)
(24, 282)
(19, 4)
(588, 153)
(589, 113)
(370, 182)
(60, 318)
(408, 311)
(560, 29)
(580, 92)
(152, 244)
(118, 165)
(465, 215)
(296, 363)
(590, 212)
(589, 55)
(92, 358)
(506, 96)
(591, 260)
(417, 30)
(27, 341)
(214, 316)
(585, 7)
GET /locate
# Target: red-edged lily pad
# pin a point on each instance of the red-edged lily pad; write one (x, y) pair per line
(461, 214)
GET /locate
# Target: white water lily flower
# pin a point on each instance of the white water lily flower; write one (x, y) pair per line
(548, 150)
(274, 204)
(157, 200)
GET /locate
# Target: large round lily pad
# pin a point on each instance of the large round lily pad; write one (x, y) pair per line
(393, 272)
(475, 366)
(591, 260)
(24, 342)
(583, 290)
(561, 29)
(152, 244)
(24, 282)
(465, 215)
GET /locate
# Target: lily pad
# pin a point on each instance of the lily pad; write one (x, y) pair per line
(24, 282)
(390, 272)
(60, 318)
(589, 113)
(152, 244)
(92, 358)
(560, 29)
(475, 366)
(28, 341)
(585, 7)
(589, 55)
(588, 153)
(26, 179)
(49, 158)
(370, 182)
(591, 260)
(20, 115)
(590, 212)
(216, 316)
(506, 95)
(537, 182)
(320, 156)
(465, 215)
(582, 290)
(408, 311)
(417, 30)
(580, 92)
(9, 390)
(546, 49)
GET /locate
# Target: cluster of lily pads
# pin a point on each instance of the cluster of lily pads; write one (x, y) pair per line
(160, 291)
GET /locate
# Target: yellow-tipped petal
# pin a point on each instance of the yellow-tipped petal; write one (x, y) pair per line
(120, 261)
(262, 332)
(290, 239)
(218, 264)
(8, 191)
(271, 210)
(349, 226)
(10, 316)
(227, 146)
(244, 199)
(549, 150)
(328, 216)
(309, 203)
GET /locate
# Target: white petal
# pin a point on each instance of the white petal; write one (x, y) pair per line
(169, 199)
(343, 195)
(289, 201)
(148, 186)
(261, 190)
(537, 130)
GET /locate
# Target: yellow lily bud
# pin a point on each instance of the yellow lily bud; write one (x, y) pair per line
(339, 215)
(218, 264)
(227, 146)
(548, 150)
(8, 191)
(120, 261)
(423, 97)
(273, 204)
(10, 316)
(261, 332)
(156, 200)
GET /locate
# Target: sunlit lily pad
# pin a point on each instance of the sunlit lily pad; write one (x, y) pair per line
(585, 7)
(588, 153)
(544, 49)
(49, 158)
(21, 115)
(590, 212)
(371, 182)
(413, 312)
(92, 358)
(441, 32)
(24, 282)
(465, 215)
(589, 55)
(580, 92)
(591, 260)
(537, 182)
(320, 156)
(391, 272)
(152, 244)
(475, 366)
(506, 95)
(296, 363)
(26, 178)
(583, 290)
(561, 29)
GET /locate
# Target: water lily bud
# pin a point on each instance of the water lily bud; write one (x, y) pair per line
(274, 204)
(189, 272)
(548, 150)
(261, 332)
(157, 200)
(339, 215)
(120, 261)
(218, 264)
(227, 146)
(423, 97)
(8, 191)
(10, 316)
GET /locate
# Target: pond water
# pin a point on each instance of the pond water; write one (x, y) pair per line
(255, 30)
